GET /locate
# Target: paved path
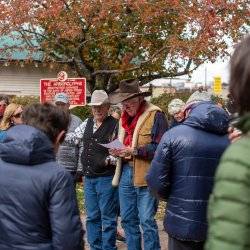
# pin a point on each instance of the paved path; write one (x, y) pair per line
(162, 234)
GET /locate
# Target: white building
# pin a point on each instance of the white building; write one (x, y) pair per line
(24, 79)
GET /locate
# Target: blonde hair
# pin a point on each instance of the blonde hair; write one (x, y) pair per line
(8, 113)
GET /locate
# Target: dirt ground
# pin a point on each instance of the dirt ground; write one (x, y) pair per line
(122, 246)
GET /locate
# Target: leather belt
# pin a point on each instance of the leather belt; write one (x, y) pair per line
(131, 163)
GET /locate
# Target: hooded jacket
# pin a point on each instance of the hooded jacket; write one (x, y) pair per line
(182, 171)
(38, 208)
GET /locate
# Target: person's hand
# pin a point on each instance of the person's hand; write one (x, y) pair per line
(114, 152)
(124, 153)
(234, 134)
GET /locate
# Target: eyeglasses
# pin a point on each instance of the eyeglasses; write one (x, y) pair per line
(129, 103)
(18, 115)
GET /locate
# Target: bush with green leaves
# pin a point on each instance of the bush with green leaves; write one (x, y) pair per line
(218, 100)
(163, 100)
(25, 100)
(82, 112)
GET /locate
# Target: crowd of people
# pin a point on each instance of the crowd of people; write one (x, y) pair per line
(196, 161)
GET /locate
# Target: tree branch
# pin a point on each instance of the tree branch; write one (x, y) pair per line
(79, 17)
(133, 68)
(119, 34)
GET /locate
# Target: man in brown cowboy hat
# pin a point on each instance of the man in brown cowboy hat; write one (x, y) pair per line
(141, 128)
(101, 198)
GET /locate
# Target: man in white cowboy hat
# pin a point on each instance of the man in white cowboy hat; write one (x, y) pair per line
(101, 198)
(141, 128)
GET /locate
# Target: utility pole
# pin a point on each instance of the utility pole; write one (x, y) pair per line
(205, 77)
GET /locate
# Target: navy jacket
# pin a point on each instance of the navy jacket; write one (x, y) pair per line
(38, 207)
(182, 171)
(2, 135)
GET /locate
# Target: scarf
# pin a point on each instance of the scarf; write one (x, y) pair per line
(129, 123)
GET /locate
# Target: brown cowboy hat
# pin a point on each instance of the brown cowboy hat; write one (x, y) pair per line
(127, 89)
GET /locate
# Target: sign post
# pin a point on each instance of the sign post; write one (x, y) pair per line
(75, 88)
(217, 86)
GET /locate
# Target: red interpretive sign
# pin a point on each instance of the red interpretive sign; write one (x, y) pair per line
(74, 87)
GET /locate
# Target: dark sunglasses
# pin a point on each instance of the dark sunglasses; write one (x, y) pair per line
(18, 115)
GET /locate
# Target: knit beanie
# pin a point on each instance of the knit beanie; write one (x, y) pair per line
(198, 96)
(175, 106)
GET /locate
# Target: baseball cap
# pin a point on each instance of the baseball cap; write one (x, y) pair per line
(61, 97)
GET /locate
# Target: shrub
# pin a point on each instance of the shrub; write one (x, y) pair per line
(24, 100)
(218, 100)
(163, 100)
(82, 112)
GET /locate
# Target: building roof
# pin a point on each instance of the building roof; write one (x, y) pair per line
(12, 47)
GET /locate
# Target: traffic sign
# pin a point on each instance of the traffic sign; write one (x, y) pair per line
(217, 86)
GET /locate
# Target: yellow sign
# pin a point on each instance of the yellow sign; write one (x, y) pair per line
(217, 85)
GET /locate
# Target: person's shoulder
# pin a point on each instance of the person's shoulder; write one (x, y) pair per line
(58, 173)
(160, 113)
(113, 119)
(235, 163)
(51, 167)
(159, 116)
(180, 129)
(76, 118)
(238, 151)
(49, 173)
(179, 135)
(152, 107)
(84, 123)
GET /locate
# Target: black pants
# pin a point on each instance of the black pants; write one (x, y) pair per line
(174, 244)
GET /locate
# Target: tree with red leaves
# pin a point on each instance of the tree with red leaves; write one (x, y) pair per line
(107, 41)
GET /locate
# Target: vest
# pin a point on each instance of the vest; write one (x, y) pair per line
(94, 155)
(141, 137)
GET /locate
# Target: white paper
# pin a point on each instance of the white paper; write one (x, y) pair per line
(116, 144)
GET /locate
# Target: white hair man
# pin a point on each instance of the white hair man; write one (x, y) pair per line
(101, 198)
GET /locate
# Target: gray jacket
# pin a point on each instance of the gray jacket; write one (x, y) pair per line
(68, 154)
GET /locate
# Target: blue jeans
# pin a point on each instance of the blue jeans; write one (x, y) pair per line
(138, 208)
(101, 201)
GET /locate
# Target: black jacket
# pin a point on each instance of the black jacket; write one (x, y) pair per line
(38, 207)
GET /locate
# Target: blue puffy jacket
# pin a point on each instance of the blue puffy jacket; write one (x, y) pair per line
(2, 135)
(182, 171)
(38, 207)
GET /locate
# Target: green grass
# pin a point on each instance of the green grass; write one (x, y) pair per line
(79, 195)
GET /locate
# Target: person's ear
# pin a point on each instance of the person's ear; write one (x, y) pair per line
(59, 139)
